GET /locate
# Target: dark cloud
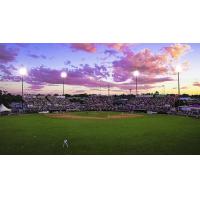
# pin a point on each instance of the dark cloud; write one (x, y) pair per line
(7, 54)
(37, 56)
(67, 62)
(7, 73)
(110, 52)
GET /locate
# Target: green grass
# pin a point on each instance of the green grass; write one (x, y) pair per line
(156, 134)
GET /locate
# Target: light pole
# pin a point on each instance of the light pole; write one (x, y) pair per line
(63, 75)
(136, 74)
(22, 72)
(163, 89)
(178, 70)
(108, 90)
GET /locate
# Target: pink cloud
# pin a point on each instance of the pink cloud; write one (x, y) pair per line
(148, 63)
(88, 47)
(196, 84)
(177, 50)
(144, 61)
(145, 82)
(184, 87)
(36, 87)
(121, 47)
(132, 87)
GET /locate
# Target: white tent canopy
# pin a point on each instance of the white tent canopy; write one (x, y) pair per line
(4, 109)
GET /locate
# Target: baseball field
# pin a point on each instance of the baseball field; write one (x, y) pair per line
(99, 133)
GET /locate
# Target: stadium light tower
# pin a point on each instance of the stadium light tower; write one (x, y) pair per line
(108, 90)
(23, 72)
(163, 89)
(63, 75)
(136, 74)
(178, 70)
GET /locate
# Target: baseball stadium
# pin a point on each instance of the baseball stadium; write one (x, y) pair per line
(99, 99)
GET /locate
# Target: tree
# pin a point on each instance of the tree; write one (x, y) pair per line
(156, 93)
(7, 98)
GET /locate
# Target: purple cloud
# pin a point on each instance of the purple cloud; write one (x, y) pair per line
(67, 62)
(7, 69)
(110, 52)
(7, 54)
(6, 73)
(153, 68)
(36, 87)
(85, 76)
(37, 56)
(132, 87)
(43, 56)
(33, 56)
(184, 87)
(145, 82)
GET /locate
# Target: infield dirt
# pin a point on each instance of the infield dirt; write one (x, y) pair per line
(71, 116)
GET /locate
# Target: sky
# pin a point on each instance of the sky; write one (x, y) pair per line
(92, 67)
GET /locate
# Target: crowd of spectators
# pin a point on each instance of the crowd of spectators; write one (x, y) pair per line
(156, 104)
(39, 103)
(36, 103)
(99, 103)
(63, 103)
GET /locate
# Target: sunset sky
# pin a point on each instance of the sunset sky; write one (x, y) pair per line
(90, 66)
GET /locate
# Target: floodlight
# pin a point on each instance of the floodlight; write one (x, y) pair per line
(23, 71)
(136, 73)
(63, 74)
(178, 68)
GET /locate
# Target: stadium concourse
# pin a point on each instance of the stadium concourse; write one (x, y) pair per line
(166, 104)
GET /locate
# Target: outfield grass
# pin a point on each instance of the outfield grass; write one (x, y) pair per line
(156, 134)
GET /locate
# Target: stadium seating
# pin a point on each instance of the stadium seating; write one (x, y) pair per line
(38, 103)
